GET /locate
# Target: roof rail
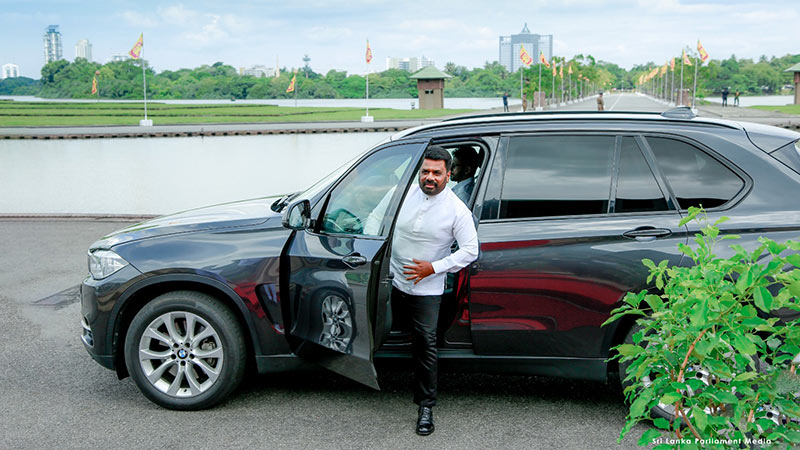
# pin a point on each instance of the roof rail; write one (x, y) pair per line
(542, 113)
(681, 112)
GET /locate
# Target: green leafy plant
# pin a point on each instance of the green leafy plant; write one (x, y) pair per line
(707, 351)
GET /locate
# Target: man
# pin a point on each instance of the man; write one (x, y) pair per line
(465, 163)
(430, 219)
(600, 102)
(505, 101)
(736, 98)
(725, 93)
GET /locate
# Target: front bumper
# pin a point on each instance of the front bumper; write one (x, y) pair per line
(98, 300)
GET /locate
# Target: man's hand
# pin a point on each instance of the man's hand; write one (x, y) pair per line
(418, 271)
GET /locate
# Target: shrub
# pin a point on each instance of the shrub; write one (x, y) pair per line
(713, 319)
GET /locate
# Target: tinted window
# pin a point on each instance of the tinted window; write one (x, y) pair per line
(696, 178)
(358, 204)
(557, 176)
(637, 189)
(789, 155)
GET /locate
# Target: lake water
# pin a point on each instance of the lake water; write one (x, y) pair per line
(391, 103)
(165, 175)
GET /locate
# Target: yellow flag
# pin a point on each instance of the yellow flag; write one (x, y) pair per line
(702, 51)
(686, 59)
(137, 47)
(524, 56)
(94, 85)
(291, 85)
(543, 60)
(369, 53)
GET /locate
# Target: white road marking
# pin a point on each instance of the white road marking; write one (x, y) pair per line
(619, 96)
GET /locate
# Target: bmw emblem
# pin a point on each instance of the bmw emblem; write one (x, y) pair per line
(181, 353)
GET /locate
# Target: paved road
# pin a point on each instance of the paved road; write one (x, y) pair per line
(55, 396)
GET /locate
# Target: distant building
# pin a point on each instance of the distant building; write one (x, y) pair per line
(412, 64)
(258, 71)
(52, 44)
(83, 49)
(534, 44)
(9, 71)
(118, 58)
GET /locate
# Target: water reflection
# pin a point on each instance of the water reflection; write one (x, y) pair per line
(164, 175)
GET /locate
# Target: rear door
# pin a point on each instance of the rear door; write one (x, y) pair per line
(567, 220)
(336, 271)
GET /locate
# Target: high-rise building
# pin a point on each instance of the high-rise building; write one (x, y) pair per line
(412, 64)
(83, 49)
(52, 44)
(534, 44)
(258, 71)
(9, 71)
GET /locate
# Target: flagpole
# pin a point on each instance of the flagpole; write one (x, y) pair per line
(539, 93)
(680, 92)
(553, 87)
(144, 80)
(520, 88)
(694, 88)
(672, 87)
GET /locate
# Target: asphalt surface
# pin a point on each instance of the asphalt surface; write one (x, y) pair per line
(55, 396)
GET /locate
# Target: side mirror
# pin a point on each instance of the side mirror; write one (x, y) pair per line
(297, 215)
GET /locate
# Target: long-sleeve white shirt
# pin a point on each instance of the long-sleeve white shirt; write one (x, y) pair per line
(426, 228)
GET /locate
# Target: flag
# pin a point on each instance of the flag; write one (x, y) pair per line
(663, 70)
(369, 58)
(561, 71)
(291, 85)
(137, 47)
(94, 85)
(702, 51)
(569, 70)
(554, 69)
(543, 60)
(672, 64)
(686, 59)
(524, 56)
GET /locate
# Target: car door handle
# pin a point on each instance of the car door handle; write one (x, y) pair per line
(354, 260)
(647, 234)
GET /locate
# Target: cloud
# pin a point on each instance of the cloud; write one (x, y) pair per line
(136, 19)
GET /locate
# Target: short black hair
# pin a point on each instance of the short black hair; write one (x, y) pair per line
(438, 153)
(467, 156)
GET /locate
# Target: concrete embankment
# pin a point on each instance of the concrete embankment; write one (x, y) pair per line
(231, 129)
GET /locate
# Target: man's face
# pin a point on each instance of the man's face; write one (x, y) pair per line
(459, 171)
(433, 176)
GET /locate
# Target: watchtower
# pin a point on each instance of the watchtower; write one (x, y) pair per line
(430, 87)
(796, 69)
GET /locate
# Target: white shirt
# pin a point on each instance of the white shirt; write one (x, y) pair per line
(426, 228)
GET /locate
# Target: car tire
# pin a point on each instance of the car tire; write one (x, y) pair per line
(185, 350)
(657, 411)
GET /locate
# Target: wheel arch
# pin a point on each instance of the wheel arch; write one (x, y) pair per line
(141, 293)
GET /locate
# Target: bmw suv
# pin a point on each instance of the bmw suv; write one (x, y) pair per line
(566, 207)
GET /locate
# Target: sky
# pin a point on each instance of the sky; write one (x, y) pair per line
(187, 34)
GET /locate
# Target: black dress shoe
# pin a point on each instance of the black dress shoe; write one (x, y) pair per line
(425, 421)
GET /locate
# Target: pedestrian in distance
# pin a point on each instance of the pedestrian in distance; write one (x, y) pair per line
(725, 93)
(431, 218)
(505, 101)
(736, 98)
(600, 102)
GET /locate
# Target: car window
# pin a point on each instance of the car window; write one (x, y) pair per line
(358, 204)
(557, 176)
(637, 189)
(695, 177)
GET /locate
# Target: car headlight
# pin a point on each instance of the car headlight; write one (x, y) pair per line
(103, 263)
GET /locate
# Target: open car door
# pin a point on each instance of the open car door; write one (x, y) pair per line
(335, 269)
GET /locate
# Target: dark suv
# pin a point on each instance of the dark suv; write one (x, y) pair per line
(567, 206)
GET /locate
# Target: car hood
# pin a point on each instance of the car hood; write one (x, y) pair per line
(227, 215)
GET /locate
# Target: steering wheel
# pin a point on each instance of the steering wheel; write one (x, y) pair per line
(343, 221)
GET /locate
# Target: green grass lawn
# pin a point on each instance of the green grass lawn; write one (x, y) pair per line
(37, 114)
(786, 109)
